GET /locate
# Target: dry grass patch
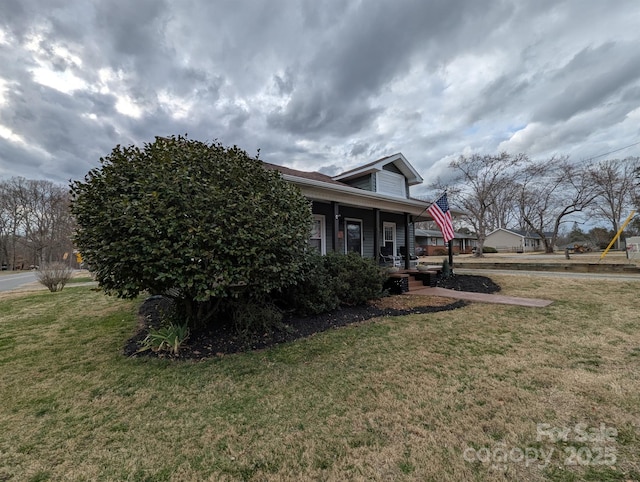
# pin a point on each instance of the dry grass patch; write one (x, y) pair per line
(420, 397)
(407, 302)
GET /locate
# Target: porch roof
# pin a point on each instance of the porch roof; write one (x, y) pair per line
(435, 233)
(398, 160)
(521, 233)
(320, 187)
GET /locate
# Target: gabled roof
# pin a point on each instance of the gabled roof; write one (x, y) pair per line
(320, 187)
(314, 176)
(398, 160)
(520, 232)
(435, 233)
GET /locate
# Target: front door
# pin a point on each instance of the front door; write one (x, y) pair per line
(389, 238)
(353, 242)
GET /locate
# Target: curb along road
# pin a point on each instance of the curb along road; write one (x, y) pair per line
(552, 274)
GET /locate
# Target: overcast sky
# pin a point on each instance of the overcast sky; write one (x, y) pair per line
(319, 84)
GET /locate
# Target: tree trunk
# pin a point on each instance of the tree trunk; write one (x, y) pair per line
(548, 246)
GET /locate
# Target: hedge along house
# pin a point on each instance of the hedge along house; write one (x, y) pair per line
(367, 210)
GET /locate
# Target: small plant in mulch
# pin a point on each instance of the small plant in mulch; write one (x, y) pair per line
(169, 338)
(446, 269)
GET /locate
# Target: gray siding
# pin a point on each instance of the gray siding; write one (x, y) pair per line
(412, 239)
(368, 223)
(367, 216)
(365, 182)
(391, 167)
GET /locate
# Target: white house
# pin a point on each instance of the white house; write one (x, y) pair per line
(514, 241)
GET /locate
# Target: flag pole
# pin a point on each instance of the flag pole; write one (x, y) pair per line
(441, 214)
(450, 248)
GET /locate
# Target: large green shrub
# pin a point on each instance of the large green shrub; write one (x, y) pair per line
(314, 294)
(356, 279)
(252, 315)
(333, 280)
(197, 222)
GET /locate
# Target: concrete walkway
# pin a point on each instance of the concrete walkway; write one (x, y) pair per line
(482, 297)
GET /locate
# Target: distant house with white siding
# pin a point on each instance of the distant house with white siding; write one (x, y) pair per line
(514, 241)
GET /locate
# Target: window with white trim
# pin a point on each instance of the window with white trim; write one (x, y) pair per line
(318, 237)
(354, 236)
(389, 238)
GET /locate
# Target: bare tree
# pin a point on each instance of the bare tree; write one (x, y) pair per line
(616, 184)
(636, 190)
(485, 190)
(5, 225)
(11, 206)
(47, 221)
(35, 223)
(504, 211)
(549, 193)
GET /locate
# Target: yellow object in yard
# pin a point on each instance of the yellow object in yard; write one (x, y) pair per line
(617, 235)
(78, 258)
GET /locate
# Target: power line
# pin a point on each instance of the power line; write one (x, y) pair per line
(611, 152)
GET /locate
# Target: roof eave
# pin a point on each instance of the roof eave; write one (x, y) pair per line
(409, 172)
(412, 206)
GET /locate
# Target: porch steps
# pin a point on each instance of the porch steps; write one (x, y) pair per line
(415, 280)
(415, 284)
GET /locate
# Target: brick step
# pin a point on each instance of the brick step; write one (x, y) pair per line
(411, 281)
(422, 280)
(415, 284)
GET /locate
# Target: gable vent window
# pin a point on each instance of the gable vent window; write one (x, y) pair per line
(391, 184)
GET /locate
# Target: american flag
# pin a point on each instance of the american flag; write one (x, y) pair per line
(440, 213)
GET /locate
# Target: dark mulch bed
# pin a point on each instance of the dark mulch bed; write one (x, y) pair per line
(474, 284)
(222, 339)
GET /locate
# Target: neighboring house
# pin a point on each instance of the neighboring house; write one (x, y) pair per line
(514, 241)
(633, 247)
(430, 242)
(366, 210)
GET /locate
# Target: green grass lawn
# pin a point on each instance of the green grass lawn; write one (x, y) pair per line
(80, 279)
(424, 397)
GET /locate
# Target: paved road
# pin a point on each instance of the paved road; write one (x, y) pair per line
(553, 274)
(12, 281)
